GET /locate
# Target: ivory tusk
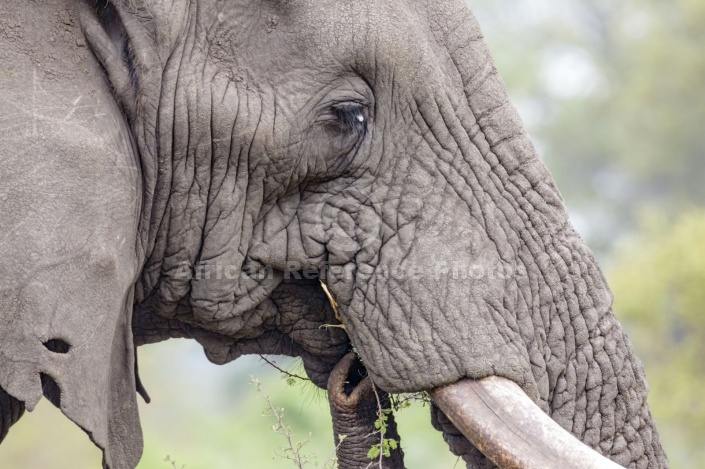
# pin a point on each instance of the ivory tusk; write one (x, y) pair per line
(510, 429)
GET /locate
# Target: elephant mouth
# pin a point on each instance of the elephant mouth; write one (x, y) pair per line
(494, 413)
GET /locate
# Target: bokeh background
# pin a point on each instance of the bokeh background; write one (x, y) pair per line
(613, 94)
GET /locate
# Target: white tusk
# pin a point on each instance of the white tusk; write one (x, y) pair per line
(510, 429)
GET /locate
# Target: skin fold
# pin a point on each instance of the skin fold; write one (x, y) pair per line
(183, 168)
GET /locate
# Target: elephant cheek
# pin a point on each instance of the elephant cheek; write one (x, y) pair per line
(437, 313)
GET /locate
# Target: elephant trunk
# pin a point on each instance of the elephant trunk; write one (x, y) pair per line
(356, 408)
(505, 424)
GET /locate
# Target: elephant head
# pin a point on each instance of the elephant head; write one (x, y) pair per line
(370, 146)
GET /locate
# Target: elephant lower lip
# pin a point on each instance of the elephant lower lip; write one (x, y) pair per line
(513, 432)
(349, 381)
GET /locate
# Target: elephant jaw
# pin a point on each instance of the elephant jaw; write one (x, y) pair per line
(498, 418)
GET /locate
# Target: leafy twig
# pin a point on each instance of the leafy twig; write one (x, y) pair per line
(384, 448)
(403, 401)
(293, 451)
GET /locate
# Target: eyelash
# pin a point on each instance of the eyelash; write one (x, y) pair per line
(351, 118)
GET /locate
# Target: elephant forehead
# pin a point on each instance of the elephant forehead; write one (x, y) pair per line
(274, 39)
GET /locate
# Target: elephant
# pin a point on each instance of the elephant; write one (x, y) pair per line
(305, 178)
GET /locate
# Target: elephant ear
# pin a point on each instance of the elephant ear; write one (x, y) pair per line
(130, 46)
(109, 42)
(69, 211)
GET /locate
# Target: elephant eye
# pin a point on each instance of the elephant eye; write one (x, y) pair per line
(350, 118)
(340, 131)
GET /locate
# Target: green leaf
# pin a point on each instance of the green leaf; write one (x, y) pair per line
(373, 453)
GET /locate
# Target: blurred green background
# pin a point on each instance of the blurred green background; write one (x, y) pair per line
(613, 94)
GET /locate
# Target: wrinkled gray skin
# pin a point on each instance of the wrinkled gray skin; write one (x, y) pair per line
(372, 136)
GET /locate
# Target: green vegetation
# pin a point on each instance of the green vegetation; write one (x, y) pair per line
(612, 93)
(658, 278)
(384, 448)
(293, 451)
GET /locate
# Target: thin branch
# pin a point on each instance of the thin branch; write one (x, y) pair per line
(382, 426)
(287, 373)
(404, 400)
(281, 428)
(172, 462)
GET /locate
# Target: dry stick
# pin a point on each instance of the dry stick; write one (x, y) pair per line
(334, 305)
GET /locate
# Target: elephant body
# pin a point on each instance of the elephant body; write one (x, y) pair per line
(196, 168)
